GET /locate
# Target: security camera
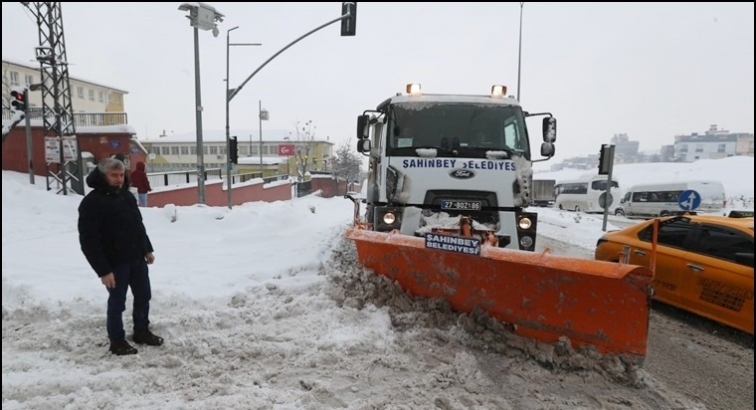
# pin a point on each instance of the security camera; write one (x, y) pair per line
(215, 32)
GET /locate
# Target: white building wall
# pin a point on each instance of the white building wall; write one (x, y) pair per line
(691, 151)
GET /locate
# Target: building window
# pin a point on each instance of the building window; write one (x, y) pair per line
(213, 150)
(193, 150)
(204, 150)
(243, 150)
(14, 78)
(721, 147)
(110, 98)
(699, 147)
(91, 95)
(184, 150)
(222, 151)
(254, 149)
(29, 79)
(155, 150)
(101, 96)
(174, 150)
(165, 151)
(80, 92)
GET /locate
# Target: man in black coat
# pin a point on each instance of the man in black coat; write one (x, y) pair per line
(115, 243)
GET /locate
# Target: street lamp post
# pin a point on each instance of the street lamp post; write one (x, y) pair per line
(263, 114)
(228, 100)
(519, 53)
(205, 17)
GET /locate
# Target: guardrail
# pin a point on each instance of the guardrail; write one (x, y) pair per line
(158, 179)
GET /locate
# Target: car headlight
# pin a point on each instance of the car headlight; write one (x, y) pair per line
(525, 223)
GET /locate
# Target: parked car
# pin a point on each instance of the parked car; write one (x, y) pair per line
(704, 263)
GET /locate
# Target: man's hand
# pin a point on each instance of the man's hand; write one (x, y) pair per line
(150, 258)
(108, 280)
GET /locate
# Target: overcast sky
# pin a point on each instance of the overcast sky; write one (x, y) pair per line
(650, 70)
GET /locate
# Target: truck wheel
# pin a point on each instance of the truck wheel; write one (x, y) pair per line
(619, 212)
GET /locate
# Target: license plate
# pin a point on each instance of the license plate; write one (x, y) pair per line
(461, 205)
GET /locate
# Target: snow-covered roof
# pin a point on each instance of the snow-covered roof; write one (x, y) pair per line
(32, 66)
(243, 136)
(139, 145)
(255, 160)
(453, 98)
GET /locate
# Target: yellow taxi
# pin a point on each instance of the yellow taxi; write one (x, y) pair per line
(704, 263)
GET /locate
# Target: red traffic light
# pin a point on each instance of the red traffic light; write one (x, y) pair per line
(19, 100)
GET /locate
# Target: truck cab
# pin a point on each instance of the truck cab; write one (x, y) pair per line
(436, 159)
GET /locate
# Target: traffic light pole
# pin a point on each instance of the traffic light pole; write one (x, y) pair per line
(607, 199)
(29, 147)
(229, 191)
(606, 167)
(228, 100)
(237, 89)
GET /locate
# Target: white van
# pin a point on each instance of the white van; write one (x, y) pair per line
(583, 194)
(660, 199)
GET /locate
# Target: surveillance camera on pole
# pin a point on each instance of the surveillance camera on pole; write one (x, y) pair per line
(205, 17)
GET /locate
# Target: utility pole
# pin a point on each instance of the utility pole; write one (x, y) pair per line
(519, 54)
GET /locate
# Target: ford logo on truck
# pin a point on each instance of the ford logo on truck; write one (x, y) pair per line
(462, 174)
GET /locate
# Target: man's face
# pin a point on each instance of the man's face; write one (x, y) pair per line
(115, 177)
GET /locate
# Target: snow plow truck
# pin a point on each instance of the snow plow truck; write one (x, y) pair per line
(449, 183)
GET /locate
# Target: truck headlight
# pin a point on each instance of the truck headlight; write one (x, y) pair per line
(389, 218)
(526, 242)
(525, 223)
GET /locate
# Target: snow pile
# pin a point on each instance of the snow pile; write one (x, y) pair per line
(263, 306)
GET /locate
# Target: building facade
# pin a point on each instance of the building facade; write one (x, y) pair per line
(88, 99)
(712, 144)
(99, 117)
(178, 152)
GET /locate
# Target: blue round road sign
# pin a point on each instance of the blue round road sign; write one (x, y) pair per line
(689, 200)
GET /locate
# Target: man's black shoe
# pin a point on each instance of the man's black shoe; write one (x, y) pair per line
(147, 338)
(122, 348)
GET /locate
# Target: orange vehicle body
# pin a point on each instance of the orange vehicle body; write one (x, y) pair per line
(695, 275)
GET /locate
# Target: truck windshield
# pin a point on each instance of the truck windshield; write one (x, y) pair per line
(468, 130)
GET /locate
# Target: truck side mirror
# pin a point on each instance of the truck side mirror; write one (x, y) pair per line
(363, 145)
(362, 126)
(547, 149)
(549, 129)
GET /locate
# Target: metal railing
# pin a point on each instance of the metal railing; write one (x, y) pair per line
(158, 179)
(81, 119)
(162, 179)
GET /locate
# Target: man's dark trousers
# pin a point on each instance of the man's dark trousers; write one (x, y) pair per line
(136, 276)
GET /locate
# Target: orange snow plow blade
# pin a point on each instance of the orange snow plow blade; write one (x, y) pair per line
(544, 296)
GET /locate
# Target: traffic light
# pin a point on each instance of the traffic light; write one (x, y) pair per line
(18, 100)
(348, 25)
(233, 150)
(606, 159)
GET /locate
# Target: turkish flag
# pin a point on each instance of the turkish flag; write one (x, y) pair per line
(285, 150)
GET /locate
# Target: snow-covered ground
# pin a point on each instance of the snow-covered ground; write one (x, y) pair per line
(264, 307)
